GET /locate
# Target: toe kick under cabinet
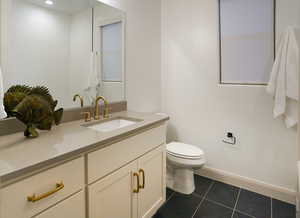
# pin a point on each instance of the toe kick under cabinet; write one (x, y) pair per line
(122, 180)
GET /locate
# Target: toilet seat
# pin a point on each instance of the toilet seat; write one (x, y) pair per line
(184, 151)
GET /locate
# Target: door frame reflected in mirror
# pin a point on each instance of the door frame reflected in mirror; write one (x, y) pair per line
(97, 26)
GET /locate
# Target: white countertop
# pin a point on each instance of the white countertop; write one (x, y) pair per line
(20, 155)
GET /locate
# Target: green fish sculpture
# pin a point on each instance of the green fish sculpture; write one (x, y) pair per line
(34, 106)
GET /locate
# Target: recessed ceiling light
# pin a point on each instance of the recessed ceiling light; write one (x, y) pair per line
(49, 2)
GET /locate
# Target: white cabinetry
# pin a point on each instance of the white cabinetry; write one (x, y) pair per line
(72, 207)
(152, 196)
(136, 190)
(31, 196)
(113, 195)
(122, 180)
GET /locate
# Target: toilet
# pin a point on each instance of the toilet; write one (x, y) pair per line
(182, 160)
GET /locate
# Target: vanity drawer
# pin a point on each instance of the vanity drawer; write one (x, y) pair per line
(73, 207)
(15, 203)
(111, 158)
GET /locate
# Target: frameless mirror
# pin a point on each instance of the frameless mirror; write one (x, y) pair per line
(71, 47)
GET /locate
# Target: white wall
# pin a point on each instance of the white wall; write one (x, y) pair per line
(287, 14)
(48, 47)
(80, 53)
(104, 11)
(143, 57)
(202, 111)
(38, 48)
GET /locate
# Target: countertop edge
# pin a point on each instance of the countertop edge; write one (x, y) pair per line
(50, 163)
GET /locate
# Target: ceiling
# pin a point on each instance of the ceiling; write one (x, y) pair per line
(67, 6)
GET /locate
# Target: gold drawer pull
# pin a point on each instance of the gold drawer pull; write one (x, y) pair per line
(137, 190)
(141, 171)
(34, 198)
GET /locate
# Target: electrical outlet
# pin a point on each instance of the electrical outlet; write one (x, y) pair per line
(229, 138)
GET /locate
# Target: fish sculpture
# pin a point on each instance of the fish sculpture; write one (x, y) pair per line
(33, 106)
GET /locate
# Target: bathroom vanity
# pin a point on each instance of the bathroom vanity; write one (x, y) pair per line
(81, 172)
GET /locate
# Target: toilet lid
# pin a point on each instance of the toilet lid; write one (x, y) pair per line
(184, 150)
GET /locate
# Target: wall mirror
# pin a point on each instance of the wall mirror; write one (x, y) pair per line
(72, 47)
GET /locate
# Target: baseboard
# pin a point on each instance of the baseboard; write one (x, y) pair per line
(263, 188)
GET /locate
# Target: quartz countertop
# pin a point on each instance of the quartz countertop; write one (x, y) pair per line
(20, 155)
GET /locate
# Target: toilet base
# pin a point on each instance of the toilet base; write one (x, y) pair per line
(181, 180)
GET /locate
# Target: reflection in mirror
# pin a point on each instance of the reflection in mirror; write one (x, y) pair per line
(71, 48)
(109, 31)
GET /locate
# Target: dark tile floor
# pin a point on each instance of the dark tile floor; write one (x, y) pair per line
(213, 199)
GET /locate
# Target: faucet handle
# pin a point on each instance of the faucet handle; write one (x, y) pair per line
(106, 112)
(87, 116)
(97, 117)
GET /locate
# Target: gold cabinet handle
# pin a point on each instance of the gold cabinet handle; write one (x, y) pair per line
(34, 198)
(137, 190)
(141, 171)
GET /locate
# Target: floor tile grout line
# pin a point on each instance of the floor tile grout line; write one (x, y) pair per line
(271, 207)
(171, 195)
(237, 199)
(209, 188)
(223, 205)
(203, 198)
(197, 208)
(245, 213)
(197, 195)
(220, 204)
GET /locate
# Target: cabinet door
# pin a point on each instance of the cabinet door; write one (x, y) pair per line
(113, 196)
(72, 207)
(153, 195)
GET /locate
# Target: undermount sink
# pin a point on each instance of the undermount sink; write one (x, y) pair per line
(112, 124)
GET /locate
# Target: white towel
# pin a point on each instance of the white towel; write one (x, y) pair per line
(93, 89)
(284, 80)
(2, 111)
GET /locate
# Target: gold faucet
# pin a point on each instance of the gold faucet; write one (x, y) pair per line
(106, 109)
(87, 116)
(80, 98)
